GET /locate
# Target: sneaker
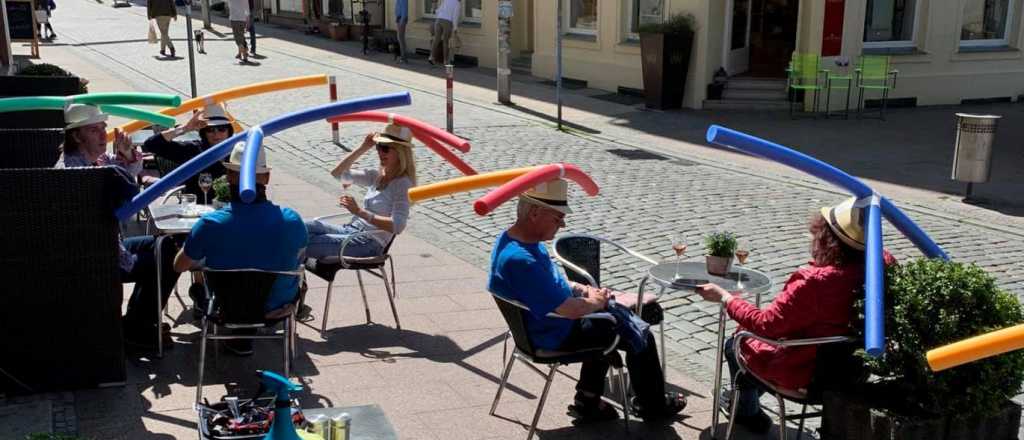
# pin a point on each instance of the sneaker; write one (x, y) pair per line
(674, 404)
(239, 347)
(591, 410)
(758, 423)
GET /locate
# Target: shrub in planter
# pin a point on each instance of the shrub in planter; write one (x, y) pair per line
(930, 303)
(45, 69)
(39, 80)
(665, 57)
(221, 192)
(720, 248)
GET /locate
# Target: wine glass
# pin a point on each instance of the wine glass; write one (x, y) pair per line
(346, 181)
(205, 183)
(741, 259)
(679, 246)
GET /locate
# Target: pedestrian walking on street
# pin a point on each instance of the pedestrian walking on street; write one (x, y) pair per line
(445, 25)
(239, 17)
(401, 19)
(163, 11)
(43, 11)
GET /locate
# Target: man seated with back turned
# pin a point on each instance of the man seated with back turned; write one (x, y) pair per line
(522, 270)
(257, 235)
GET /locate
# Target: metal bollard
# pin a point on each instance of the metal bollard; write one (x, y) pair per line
(972, 157)
(333, 88)
(450, 78)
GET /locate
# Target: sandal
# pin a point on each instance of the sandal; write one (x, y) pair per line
(592, 410)
(674, 404)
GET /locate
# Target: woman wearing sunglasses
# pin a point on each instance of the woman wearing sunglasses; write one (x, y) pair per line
(213, 126)
(385, 205)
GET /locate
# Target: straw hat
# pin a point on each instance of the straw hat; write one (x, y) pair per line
(80, 115)
(215, 115)
(234, 162)
(551, 195)
(846, 220)
(395, 134)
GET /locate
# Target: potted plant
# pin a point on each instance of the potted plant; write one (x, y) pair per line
(221, 192)
(665, 57)
(39, 80)
(931, 303)
(720, 247)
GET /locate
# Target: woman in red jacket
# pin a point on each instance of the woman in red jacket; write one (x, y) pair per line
(815, 302)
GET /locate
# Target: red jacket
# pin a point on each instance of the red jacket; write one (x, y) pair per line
(815, 302)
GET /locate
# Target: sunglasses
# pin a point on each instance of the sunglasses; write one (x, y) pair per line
(218, 128)
(383, 148)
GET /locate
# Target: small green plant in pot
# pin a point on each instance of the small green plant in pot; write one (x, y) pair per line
(931, 303)
(720, 247)
(221, 192)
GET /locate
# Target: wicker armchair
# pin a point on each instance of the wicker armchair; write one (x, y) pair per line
(60, 326)
(30, 147)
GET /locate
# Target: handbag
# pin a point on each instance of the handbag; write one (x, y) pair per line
(151, 39)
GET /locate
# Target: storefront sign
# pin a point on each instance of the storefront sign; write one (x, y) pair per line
(832, 33)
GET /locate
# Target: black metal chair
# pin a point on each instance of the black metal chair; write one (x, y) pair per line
(832, 365)
(235, 300)
(513, 312)
(327, 269)
(30, 147)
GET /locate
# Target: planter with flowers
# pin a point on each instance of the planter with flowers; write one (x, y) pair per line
(720, 247)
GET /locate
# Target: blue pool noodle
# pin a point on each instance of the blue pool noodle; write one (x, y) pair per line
(247, 179)
(217, 152)
(874, 275)
(909, 229)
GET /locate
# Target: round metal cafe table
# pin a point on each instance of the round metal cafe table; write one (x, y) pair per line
(690, 274)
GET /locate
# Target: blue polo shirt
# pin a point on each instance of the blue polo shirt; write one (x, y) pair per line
(401, 10)
(260, 235)
(525, 272)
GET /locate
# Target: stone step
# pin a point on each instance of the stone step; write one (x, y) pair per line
(756, 83)
(745, 104)
(754, 94)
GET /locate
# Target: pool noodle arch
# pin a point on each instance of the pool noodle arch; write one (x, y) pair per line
(544, 173)
(227, 95)
(215, 153)
(247, 179)
(420, 129)
(876, 207)
(465, 183)
(108, 102)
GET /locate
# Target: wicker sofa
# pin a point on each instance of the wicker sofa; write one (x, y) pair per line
(60, 289)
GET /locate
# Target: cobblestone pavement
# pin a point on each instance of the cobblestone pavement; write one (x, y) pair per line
(644, 195)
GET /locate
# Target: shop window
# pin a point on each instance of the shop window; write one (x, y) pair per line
(294, 6)
(985, 22)
(639, 13)
(890, 23)
(429, 6)
(581, 17)
(473, 11)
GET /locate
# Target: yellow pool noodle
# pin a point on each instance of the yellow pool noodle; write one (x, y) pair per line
(979, 347)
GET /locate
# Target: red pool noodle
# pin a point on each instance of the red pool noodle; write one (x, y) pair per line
(484, 205)
(416, 125)
(446, 154)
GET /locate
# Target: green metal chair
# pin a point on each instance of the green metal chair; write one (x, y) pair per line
(838, 81)
(804, 74)
(874, 73)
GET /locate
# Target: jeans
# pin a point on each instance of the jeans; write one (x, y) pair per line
(325, 240)
(140, 320)
(439, 47)
(750, 391)
(401, 37)
(645, 373)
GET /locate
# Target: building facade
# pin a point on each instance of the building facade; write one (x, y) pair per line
(946, 51)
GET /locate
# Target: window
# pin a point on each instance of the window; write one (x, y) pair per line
(890, 23)
(581, 17)
(473, 11)
(985, 22)
(641, 12)
(429, 6)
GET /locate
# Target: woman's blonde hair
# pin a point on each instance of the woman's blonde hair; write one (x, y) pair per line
(406, 161)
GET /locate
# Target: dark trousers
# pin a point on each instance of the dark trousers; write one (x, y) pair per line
(140, 320)
(750, 391)
(252, 35)
(645, 373)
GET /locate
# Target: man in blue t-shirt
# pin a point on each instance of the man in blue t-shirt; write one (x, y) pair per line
(522, 270)
(257, 235)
